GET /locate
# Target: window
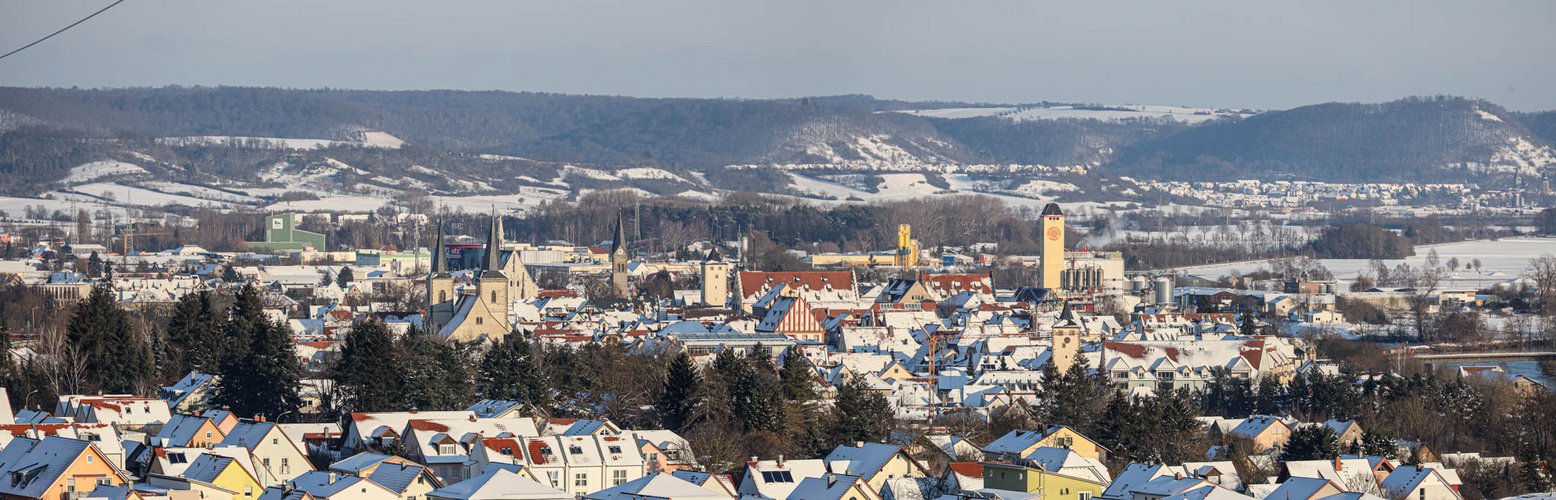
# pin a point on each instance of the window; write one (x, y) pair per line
(553, 477)
(275, 441)
(618, 477)
(777, 476)
(88, 459)
(1085, 495)
(103, 481)
(248, 491)
(267, 463)
(176, 458)
(615, 449)
(580, 480)
(208, 434)
(545, 451)
(494, 296)
(446, 449)
(653, 457)
(574, 450)
(285, 467)
(478, 320)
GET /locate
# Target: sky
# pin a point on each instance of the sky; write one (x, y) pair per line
(1238, 54)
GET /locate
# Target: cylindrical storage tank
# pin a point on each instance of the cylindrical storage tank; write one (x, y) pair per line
(1137, 284)
(1163, 290)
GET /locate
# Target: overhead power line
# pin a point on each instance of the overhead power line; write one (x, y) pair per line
(62, 30)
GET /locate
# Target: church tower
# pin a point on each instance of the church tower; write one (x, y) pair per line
(493, 284)
(619, 259)
(440, 287)
(1052, 247)
(715, 280)
(1065, 342)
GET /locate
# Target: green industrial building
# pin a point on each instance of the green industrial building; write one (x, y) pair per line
(281, 233)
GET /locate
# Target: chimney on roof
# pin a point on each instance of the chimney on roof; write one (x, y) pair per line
(1337, 464)
(1177, 475)
(831, 480)
(780, 460)
(858, 444)
(751, 462)
(259, 418)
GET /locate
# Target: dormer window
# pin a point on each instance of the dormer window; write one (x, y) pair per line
(575, 450)
(615, 449)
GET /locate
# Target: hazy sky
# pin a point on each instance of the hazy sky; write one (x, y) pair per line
(1217, 53)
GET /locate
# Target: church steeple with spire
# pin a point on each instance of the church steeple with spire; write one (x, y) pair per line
(619, 258)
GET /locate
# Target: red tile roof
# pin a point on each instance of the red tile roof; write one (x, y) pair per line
(969, 469)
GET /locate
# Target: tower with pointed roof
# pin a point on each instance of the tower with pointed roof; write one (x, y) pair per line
(440, 287)
(619, 258)
(715, 279)
(1065, 340)
(481, 312)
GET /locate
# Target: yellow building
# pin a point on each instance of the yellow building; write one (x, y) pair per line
(715, 280)
(1052, 486)
(1053, 247)
(224, 473)
(907, 247)
(1019, 443)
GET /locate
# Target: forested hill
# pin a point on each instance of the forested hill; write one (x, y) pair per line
(1408, 140)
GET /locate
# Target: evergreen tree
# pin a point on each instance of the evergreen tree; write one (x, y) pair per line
(194, 341)
(1374, 443)
(368, 372)
(510, 371)
(435, 375)
(94, 265)
(795, 377)
(117, 359)
(1312, 442)
(258, 373)
(108, 271)
(1248, 327)
(344, 277)
(230, 274)
(1074, 398)
(862, 414)
(677, 397)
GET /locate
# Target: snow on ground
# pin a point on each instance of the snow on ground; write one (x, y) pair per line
(333, 202)
(703, 196)
(121, 194)
(98, 169)
(590, 173)
(527, 198)
(17, 207)
(201, 192)
(1106, 113)
(370, 139)
(648, 173)
(1500, 260)
(381, 140)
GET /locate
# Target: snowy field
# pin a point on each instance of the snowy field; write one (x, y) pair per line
(1105, 113)
(87, 172)
(906, 186)
(370, 139)
(1500, 260)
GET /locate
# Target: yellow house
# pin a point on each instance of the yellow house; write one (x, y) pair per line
(225, 473)
(1264, 431)
(1011, 477)
(1020, 443)
(54, 467)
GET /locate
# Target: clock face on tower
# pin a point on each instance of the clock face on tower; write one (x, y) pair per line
(1053, 233)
